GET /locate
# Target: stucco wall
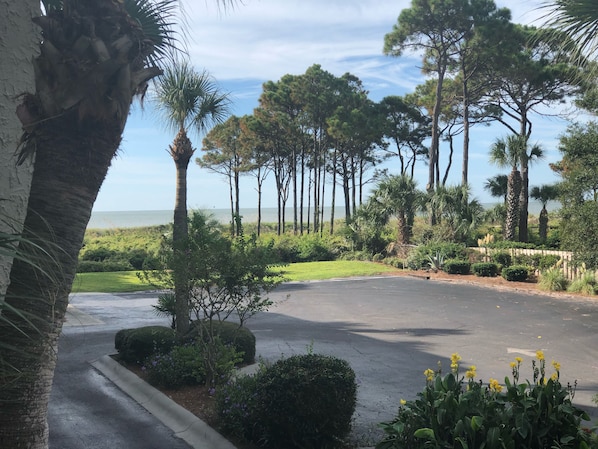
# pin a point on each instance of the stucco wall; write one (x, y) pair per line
(18, 45)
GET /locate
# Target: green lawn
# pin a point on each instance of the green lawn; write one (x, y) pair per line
(127, 281)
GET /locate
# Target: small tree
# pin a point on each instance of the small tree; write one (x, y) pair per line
(544, 194)
(228, 280)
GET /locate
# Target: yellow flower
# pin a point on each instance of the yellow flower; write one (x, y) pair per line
(555, 376)
(518, 359)
(455, 358)
(429, 374)
(556, 365)
(495, 386)
(540, 355)
(513, 365)
(471, 372)
(403, 401)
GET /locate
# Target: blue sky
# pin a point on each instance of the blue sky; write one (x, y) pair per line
(262, 40)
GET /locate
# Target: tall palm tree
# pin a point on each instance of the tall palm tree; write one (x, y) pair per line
(95, 57)
(507, 153)
(188, 100)
(398, 196)
(544, 194)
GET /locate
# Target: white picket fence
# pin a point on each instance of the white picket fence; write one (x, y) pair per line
(570, 271)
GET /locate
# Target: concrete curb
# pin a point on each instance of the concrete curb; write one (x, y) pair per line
(183, 423)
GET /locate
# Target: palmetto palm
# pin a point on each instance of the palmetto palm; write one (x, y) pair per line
(95, 57)
(544, 194)
(578, 19)
(188, 100)
(507, 153)
(398, 196)
(497, 186)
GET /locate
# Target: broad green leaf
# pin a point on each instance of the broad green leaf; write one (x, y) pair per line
(425, 433)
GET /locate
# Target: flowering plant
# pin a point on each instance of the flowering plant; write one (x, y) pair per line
(456, 411)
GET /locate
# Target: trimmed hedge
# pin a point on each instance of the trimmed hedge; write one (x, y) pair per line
(502, 258)
(136, 345)
(241, 338)
(305, 401)
(456, 266)
(515, 273)
(485, 269)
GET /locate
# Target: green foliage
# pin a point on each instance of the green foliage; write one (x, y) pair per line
(553, 280)
(395, 262)
(502, 258)
(420, 256)
(305, 401)
(586, 284)
(121, 249)
(485, 269)
(456, 411)
(305, 248)
(183, 365)
(229, 333)
(515, 273)
(136, 345)
(456, 266)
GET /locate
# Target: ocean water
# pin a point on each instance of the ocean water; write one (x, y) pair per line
(132, 219)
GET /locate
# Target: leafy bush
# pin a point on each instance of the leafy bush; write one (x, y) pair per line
(502, 258)
(553, 280)
(183, 365)
(485, 269)
(241, 338)
(307, 401)
(544, 261)
(586, 284)
(515, 273)
(136, 345)
(236, 403)
(304, 401)
(455, 266)
(92, 266)
(98, 254)
(458, 411)
(420, 256)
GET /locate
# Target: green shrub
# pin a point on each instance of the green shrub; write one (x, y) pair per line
(544, 261)
(455, 266)
(92, 266)
(485, 269)
(136, 345)
(553, 280)
(515, 273)
(456, 411)
(183, 365)
(98, 254)
(236, 404)
(241, 338)
(586, 284)
(306, 401)
(502, 258)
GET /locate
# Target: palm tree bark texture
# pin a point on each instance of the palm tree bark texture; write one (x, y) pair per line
(94, 59)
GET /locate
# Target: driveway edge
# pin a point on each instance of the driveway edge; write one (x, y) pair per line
(183, 423)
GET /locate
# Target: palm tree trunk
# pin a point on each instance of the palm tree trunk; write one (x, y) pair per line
(543, 224)
(180, 234)
(71, 162)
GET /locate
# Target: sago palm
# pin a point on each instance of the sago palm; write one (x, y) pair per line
(95, 57)
(189, 100)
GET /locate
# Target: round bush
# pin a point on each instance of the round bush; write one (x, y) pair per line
(306, 401)
(241, 338)
(515, 273)
(502, 258)
(455, 266)
(183, 365)
(485, 269)
(136, 345)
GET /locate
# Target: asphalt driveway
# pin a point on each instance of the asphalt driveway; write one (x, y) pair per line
(390, 330)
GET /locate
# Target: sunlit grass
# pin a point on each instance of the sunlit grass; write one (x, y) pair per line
(127, 281)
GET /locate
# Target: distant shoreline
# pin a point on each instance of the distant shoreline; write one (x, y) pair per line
(133, 219)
